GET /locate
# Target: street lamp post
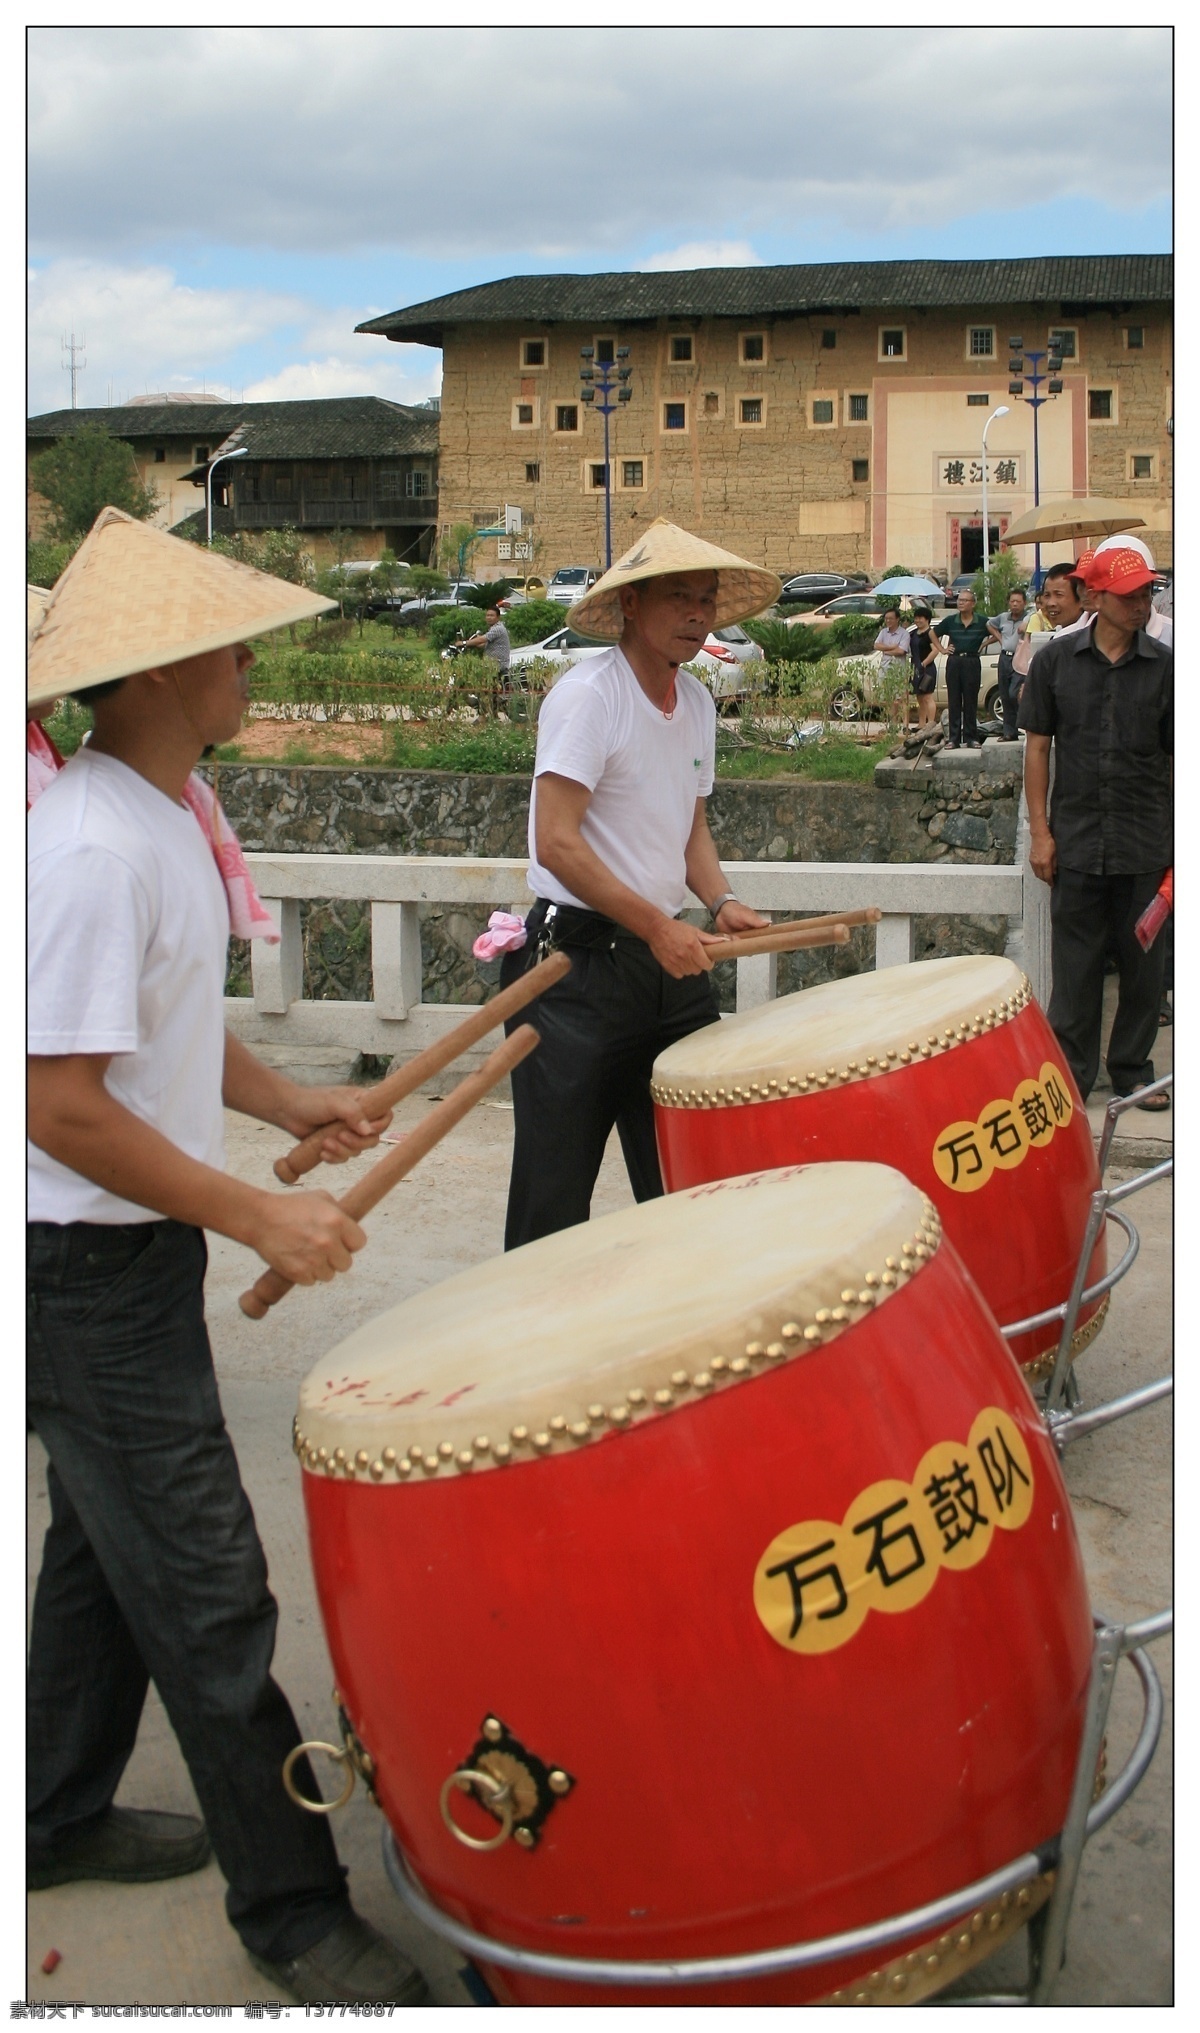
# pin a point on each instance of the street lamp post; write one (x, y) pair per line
(605, 380)
(1001, 411)
(1019, 375)
(218, 461)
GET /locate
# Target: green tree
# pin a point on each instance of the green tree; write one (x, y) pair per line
(45, 561)
(1004, 576)
(85, 472)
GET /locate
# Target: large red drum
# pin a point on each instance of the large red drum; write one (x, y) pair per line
(718, 1548)
(946, 1069)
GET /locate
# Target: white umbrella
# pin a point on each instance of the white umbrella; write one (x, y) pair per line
(912, 583)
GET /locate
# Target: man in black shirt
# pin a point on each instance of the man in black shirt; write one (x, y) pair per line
(1104, 695)
(963, 636)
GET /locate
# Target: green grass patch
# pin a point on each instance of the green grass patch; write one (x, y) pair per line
(834, 761)
(486, 749)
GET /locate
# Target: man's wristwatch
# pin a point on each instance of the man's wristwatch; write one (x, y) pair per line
(715, 909)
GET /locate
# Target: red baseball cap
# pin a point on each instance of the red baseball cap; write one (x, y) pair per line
(1118, 572)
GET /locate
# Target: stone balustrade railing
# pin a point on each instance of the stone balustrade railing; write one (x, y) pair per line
(398, 1023)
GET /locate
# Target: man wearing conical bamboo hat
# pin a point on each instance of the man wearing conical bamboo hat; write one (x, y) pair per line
(618, 836)
(152, 1567)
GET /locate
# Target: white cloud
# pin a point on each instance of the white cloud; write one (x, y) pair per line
(704, 254)
(144, 329)
(303, 380)
(147, 332)
(455, 143)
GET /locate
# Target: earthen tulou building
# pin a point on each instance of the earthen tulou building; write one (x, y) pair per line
(810, 417)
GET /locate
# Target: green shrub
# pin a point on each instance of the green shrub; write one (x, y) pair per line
(535, 620)
(491, 592)
(853, 634)
(46, 560)
(896, 572)
(783, 642)
(447, 623)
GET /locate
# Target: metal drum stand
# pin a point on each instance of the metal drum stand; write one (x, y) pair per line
(1048, 1931)
(1062, 1389)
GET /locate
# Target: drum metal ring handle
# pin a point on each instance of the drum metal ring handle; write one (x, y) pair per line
(498, 1794)
(340, 1756)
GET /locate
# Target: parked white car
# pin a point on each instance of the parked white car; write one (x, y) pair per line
(570, 583)
(725, 650)
(858, 692)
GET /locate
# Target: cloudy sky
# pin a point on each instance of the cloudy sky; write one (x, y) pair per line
(218, 207)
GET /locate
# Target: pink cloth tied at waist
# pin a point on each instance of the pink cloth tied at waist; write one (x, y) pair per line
(505, 933)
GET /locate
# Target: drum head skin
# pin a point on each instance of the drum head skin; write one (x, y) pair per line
(840, 1031)
(619, 1319)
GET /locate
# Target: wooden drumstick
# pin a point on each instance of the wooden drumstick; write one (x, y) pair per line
(780, 939)
(870, 916)
(368, 1191)
(394, 1087)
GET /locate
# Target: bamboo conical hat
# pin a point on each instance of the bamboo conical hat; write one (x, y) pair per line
(37, 599)
(134, 598)
(742, 588)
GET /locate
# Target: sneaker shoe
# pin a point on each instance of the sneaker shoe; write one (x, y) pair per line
(351, 1965)
(131, 1846)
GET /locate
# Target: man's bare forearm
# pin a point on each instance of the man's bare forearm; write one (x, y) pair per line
(702, 863)
(579, 868)
(252, 1088)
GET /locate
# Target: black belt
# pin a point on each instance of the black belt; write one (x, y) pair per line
(556, 925)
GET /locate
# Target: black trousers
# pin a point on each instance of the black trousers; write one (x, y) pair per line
(962, 694)
(1010, 690)
(1089, 916)
(153, 1569)
(601, 1030)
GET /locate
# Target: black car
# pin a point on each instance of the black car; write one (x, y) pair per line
(812, 589)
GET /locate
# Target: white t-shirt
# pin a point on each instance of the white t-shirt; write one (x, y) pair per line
(128, 929)
(645, 773)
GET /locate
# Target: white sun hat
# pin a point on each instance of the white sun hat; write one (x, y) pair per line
(743, 589)
(134, 598)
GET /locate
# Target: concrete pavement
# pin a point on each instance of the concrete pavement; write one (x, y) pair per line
(164, 1944)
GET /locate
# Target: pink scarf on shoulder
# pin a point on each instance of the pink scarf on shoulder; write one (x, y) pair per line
(248, 919)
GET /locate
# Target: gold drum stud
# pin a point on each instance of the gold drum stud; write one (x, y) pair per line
(445, 1449)
(775, 1349)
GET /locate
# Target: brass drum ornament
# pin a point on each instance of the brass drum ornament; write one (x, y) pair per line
(732, 1503)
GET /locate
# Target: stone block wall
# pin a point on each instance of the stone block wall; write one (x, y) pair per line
(369, 811)
(781, 491)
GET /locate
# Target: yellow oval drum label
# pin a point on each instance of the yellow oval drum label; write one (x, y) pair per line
(966, 1154)
(817, 1581)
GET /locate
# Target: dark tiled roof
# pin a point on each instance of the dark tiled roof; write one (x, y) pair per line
(349, 427)
(786, 292)
(194, 525)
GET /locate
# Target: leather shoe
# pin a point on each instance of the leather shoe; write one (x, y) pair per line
(131, 1846)
(351, 1965)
